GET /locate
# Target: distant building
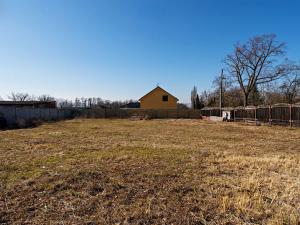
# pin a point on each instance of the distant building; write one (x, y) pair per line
(29, 104)
(99, 106)
(158, 98)
(102, 106)
(131, 105)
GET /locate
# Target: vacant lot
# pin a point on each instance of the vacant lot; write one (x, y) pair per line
(149, 172)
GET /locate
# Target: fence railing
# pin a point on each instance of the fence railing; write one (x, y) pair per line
(212, 111)
(281, 114)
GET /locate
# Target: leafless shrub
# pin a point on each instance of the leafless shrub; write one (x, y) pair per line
(20, 97)
(25, 123)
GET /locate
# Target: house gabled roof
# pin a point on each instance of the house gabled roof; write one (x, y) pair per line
(158, 87)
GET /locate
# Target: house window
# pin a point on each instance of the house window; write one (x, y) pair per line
(165, 98)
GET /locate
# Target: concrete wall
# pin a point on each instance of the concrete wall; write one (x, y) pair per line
(14, 116)
(8, 114)
(23, 117)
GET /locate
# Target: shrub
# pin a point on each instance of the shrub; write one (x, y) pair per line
(36, 122)
(23, 123)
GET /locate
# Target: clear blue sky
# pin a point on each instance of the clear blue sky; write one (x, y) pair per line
(120, 49)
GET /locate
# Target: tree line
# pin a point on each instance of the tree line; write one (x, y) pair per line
(257, 73)
(83, 102)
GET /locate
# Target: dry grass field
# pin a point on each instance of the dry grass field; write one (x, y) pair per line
(149, 172)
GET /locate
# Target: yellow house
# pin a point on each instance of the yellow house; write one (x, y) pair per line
(158, 98)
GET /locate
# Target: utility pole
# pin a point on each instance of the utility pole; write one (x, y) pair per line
(221, 92)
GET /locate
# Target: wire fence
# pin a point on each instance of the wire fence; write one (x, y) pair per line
(281, 114)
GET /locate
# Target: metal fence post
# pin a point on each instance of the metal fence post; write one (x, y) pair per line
(16, 119)
(270, 115)
(291, 119)
(234, 115)
(255, 115)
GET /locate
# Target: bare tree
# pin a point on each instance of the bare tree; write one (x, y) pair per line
(46, 98)
(233, 97)
(182, 106)
(291, 87)
(20, 97)
(193, 97)
(227, 83)
(209, 98)
(77, 103)
(256, 62)
(64, 103)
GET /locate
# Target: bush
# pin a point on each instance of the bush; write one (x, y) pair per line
(34, 122)
(21, 123)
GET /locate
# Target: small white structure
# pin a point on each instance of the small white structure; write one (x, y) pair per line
(227, 114)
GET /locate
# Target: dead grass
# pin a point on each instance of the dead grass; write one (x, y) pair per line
(150, 172)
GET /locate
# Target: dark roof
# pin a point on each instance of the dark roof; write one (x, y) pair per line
(26, 102)
(131, 105)
(210, 108)
(158, 87)
(227, 108)
(101, 106)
